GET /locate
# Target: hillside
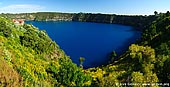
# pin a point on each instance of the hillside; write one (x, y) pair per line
(29, 58)
(144, 63)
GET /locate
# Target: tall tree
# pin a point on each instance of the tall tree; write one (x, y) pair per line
(155, 12)
(81, 60)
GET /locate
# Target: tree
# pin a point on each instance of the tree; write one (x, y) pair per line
(137, 77)
(144, 58)
(112, 56)
(145, 55)
(81, 60)
(5, 28)
(166, 70)
(156, 13)
(70, 74)
(167, 13)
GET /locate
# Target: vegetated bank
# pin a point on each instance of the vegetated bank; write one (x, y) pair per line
(146, 62)
(29, 58)
(29, 64)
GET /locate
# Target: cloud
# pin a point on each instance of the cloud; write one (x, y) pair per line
(21, 8)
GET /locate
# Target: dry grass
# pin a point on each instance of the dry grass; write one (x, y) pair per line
(8, 76)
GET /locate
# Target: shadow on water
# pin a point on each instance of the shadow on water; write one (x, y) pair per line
(136, 36)
(120, 50)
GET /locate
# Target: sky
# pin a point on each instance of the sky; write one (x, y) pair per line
(123, 7)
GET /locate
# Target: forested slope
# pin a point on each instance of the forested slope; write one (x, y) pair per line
(29, 58)
(145, 63)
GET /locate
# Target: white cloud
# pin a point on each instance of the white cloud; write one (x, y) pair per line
(21, 8)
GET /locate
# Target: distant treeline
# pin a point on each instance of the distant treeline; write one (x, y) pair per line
(138, 21)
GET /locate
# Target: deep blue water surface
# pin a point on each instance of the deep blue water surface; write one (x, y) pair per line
(93, 41)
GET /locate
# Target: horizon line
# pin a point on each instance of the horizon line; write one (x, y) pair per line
(76, 13)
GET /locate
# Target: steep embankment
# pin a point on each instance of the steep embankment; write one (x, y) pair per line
(145, 63)
(135, 21)
(29, 58)
(41, 16)
(139, 22)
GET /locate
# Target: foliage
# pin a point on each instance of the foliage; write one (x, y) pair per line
(145, 62)
(112, 56)
(81, 60)
(5, 28)
(69, 74)
(28, 57)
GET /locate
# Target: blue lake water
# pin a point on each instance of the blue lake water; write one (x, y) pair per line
(93, 41)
